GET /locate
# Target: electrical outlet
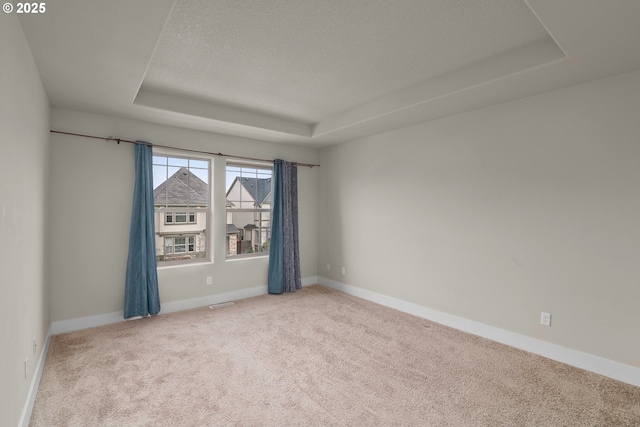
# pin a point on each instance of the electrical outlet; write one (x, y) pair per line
(26, 367)
(209, 280)
(545, 319)
(344, 271)
(328, 267)
(34, 345)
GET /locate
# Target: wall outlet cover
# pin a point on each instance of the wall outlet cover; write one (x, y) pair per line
(545, 319)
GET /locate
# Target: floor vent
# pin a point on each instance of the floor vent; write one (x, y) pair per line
(222, 304)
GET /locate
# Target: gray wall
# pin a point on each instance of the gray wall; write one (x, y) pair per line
(91, 193)
(498, 214)
(24, 148)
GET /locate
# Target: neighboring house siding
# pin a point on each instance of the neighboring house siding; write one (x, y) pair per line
(240, 197)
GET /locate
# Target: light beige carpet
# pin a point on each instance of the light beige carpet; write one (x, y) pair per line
(314, 358)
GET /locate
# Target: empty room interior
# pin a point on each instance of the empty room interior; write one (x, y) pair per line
(464, 168)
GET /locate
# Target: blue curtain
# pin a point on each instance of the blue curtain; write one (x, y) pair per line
(284, 256)
(141, 296)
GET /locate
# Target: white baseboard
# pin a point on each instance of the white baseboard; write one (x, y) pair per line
(35, 382)
(188, 304)
(599, 365)
(70, 325)
(312, 280)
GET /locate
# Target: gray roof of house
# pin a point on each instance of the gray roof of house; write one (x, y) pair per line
(232, 229)
(181, 189)
(259, 188)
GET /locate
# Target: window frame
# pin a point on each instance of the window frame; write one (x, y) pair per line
(259, 211)
(174, 231)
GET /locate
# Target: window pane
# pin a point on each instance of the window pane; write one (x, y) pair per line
(159, 160)
(159, 175)
(172, 170)
(179, 245)
(248, 233)
(248, 188)
(262, 173)
(176, 161)
(182, 195)
(203, 174)
(201, 164)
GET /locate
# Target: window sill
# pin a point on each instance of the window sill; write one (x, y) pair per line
(186, 264)
(244, 258)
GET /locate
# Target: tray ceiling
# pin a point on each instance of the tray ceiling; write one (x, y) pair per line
(310, 60)
(319, 73)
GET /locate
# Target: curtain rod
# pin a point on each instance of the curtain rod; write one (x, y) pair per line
(118, 140)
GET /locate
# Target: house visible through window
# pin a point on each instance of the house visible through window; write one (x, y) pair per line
(181, 198)
(248, 201)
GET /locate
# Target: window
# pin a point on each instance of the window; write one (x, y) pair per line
(179, 245)
(249, 195)
(180, 218)
(181, 199)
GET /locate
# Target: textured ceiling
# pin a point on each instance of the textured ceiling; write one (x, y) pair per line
(320, 72)
(310, 60)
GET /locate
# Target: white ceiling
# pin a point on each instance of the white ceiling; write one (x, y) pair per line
(321, 72)
(310, 60)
